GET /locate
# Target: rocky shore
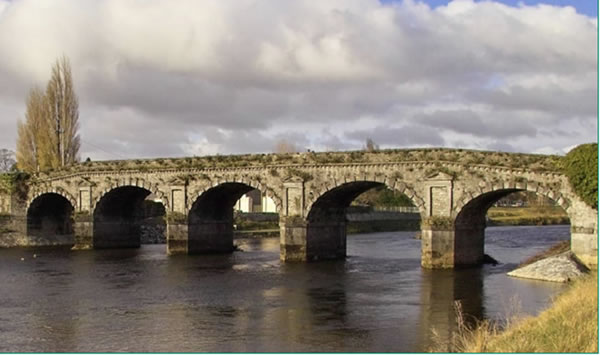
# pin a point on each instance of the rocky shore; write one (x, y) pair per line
(563, 267)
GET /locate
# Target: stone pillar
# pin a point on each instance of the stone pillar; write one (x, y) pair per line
(469, 243)
(584, 244)
(210, 236)
(437, 228)
(177, 221)
(437, 243)
(83, 220)
(327, 239)
(115, 233)
(292, 239)
(177, 233)
(83, 230)
(584, 232)
(292, 223)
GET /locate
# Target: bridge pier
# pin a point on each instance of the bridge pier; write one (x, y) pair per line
(584, 244)
(446, 244)
(305, 241)
(177, 237)
(584, 233)
(116, 233)
(292, 239)
(198, 236)
(210, 237)
(83, 228)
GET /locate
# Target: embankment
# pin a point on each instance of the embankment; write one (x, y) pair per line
(569, 325)
(520, 216)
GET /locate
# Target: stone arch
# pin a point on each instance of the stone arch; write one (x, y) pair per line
(513, 186)
(118, 213)
(50, 218)
(53, 190)
(470, 216)
(253, 183)
(326, 213)
(153, 188)
(395, 185)
(210, 214)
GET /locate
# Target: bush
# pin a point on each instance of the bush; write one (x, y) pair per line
(581, 167)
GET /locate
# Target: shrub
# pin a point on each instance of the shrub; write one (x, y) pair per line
(581, 167)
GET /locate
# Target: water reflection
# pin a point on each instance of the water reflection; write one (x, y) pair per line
(377, 300)
(441, 290)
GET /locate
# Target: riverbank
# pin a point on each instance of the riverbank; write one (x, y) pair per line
(569, 325)
(370, 221)
(530, 215)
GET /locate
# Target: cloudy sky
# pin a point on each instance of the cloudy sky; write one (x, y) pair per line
(175, 78)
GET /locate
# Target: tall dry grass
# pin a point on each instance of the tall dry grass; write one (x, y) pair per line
(569, 325)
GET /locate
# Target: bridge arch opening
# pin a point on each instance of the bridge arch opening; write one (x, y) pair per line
(50, 220)
(128, 216)
(333, 215)
(503, 207)
(210, 219)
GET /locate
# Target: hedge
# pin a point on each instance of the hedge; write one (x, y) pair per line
(581, 167)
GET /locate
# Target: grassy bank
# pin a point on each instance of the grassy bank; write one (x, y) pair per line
(382, 226)
(570, 324)
(534, 215)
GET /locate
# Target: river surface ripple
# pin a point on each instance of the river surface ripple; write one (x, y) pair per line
(377, 300)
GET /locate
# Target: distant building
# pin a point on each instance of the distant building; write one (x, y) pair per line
(255, 201)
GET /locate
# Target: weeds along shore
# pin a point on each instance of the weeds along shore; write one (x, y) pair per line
(568, 325)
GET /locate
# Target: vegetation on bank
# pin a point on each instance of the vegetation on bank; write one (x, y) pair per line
(569, 325)
(381, 196)
(531, 215)
(581, 167)
(242, 224)
(14, 183)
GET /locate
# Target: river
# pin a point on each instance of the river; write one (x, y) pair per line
(377, 300)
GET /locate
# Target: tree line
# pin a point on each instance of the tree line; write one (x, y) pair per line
(48, 138)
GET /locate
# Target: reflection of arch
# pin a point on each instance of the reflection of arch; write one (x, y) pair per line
(118, 215)
(49, 216)
(253, 184)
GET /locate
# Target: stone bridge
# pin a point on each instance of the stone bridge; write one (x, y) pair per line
(98, 203)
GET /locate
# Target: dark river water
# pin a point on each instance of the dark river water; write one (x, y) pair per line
(377, 300)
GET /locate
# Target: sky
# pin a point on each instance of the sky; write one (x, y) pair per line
(164, 78)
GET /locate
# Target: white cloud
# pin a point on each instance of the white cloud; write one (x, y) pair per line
(164, 78)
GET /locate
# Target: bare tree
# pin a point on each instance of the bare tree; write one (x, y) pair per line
(63, 113)
(7, 160)
(48, 138)
(283, 147)
(370, 145)
(32, 138)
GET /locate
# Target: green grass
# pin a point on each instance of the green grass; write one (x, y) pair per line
(535, 215)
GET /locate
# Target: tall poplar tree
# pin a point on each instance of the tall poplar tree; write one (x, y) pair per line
(63, 111)
(32, 137)
(48, 139)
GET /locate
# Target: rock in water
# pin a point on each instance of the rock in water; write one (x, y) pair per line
(559, 268)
